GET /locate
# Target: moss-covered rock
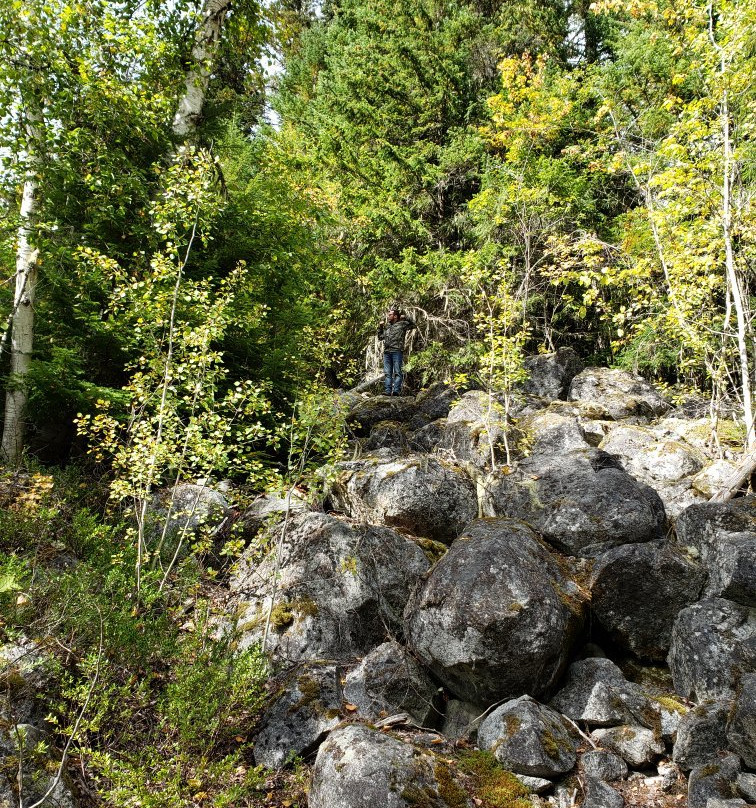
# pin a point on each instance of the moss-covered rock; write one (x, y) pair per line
(416, 493)
(359, 766)
(339, 588)
(305, 705)
(529, 738)
(582, 502)
(490, 620)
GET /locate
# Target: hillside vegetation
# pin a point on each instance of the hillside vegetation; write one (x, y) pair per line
(207, 208)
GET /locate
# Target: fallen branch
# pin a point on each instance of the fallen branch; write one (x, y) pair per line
(737, 479)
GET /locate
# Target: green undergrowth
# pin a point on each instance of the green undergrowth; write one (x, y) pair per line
(153, 687)
(492, 783)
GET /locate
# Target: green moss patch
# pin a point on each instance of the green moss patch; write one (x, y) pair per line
(492, 783)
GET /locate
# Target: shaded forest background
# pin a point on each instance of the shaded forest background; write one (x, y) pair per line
(579, 175)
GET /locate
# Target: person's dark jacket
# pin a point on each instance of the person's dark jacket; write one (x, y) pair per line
(393, 334)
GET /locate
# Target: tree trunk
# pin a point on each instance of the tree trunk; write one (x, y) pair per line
(190, 104)
(22, 328)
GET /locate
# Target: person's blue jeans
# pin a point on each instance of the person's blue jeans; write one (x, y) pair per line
(392, 369)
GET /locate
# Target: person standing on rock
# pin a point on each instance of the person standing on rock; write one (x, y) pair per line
(392, 333)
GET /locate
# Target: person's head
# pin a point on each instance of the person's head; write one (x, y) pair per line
(393, 315)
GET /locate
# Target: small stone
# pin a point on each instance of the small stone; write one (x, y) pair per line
(536, 785)
(670, 774)
(603, 765)
(599, 794)
(716, 779)
(670, 714)
(528, 738)
(746, 784)
(741, 730)
(637, 745)
(701, 735)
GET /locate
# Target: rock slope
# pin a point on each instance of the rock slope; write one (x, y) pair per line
(515, 579)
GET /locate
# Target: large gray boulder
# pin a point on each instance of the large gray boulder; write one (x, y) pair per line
(582, 502)
(339, 588)
(596, 692)
(305, 707)
(386, 435)
(28, 673)
(701, 735)
(461, 720)
(529, 738)
(550, 374)
(428, 438)
(746, 786)
(713, 477)
(617, 394)
(416, 493)
(24, 743)
(713, 645)
(715, 780)
(637, 591)
(496, 616)
(269, 508)
(725, 536)
(741, 729)
(651, 459)
(432, 403)
(358, 767)
(390, 681)
(695, 428)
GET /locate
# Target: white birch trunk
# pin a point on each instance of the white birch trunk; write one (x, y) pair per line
(734, 280)
(190, 104)
(22, 328)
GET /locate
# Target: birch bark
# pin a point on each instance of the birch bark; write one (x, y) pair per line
(21, 326)
(191, 102)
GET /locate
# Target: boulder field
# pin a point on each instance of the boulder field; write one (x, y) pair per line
(512, 600)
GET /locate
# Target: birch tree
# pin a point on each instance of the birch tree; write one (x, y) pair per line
(192, 100)
(688, 155)
(20, 327)
(68, 64)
